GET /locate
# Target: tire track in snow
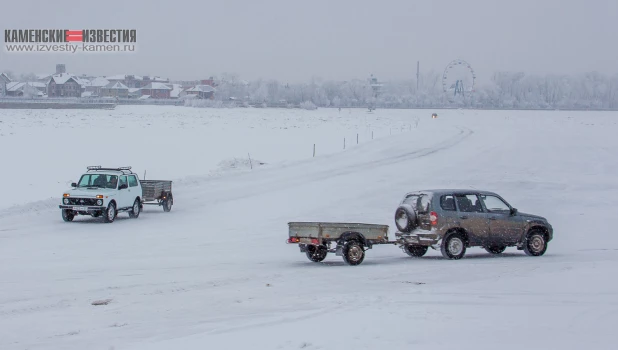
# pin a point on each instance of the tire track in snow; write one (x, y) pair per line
(284, 181)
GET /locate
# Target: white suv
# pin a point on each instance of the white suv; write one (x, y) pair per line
(103, 192)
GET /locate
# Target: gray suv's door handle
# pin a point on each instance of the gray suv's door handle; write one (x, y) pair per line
(464, 216)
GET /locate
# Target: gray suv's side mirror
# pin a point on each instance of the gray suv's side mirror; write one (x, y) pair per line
(73, 184)
(513, 211)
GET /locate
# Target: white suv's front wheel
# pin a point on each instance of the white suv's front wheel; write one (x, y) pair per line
(67, 215)
(110, 212)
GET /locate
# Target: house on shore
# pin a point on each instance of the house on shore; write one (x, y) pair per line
(4, 80)
(202, 92)
(64, 85)
(157, 90)
(115, 89)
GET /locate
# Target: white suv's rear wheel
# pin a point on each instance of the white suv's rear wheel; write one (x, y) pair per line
(134, 212)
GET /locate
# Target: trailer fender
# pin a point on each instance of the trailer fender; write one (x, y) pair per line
(350, 236)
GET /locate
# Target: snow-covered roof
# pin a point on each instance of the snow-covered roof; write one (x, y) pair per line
(82, 81)
(176, 91)
(123, 77)
(201, 88)
(36, 84)
(144, 97)
(156, 86)
(87, 93)
(132, 90)
(14, 86)
(6, 77)
(43, 76)
(62, 78)
(116, 86)
(99, 82)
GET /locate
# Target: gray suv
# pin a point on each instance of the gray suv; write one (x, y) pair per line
(457, 219)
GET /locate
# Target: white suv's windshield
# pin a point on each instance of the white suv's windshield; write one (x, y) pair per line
(98, 181)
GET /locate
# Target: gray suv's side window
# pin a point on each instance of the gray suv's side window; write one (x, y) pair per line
(469, 203)
(447, 203)
(495, 204)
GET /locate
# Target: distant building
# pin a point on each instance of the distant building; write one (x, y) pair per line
(95, 86)
(135, 93)
(135, 81)
(64, 85)
(28, 89)
(202, 91)
(4, 80)
(177, 91)
(116, 89)
(157, 90)
(210, 81)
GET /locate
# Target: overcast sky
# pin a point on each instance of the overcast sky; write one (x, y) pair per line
(294, 40)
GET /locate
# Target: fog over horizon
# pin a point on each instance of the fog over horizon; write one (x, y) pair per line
(333, 40)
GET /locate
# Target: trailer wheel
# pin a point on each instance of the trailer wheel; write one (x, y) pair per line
(353, 253)
(67, 215)
(168, 202)
(316, 253)
(415, 250)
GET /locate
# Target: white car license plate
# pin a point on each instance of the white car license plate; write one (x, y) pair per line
(79, 208)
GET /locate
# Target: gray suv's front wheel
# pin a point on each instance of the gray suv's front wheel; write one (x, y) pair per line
(535, 244)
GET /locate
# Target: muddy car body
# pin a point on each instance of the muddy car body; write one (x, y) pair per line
(453, 220)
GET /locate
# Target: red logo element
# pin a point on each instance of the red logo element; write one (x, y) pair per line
(74, 35)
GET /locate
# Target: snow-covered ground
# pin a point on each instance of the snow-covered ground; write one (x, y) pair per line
(216, 273)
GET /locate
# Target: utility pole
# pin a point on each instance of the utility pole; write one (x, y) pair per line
(417, 73)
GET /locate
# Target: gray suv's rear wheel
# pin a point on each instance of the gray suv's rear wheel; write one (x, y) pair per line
(495, 249)
(415, 250)
(453, 246)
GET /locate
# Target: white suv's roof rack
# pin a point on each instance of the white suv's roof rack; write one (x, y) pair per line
(124, 169)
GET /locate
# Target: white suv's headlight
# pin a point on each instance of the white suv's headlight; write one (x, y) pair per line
(66, 201)
(99, 202)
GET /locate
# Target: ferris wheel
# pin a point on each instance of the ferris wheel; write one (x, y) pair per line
(458, 78)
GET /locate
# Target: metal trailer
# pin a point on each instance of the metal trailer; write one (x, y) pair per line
(157, 192)
(350, 240)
